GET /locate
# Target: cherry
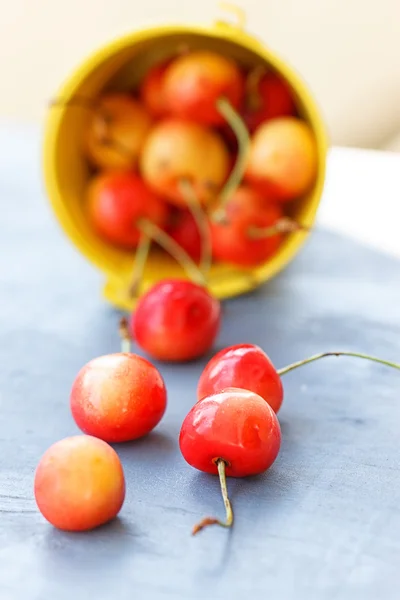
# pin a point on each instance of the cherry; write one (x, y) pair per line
(118, 397)
(242, 366)
(152, 91)
(177, 151)
(247, 366)
(194, 83)
(176, 320)
(233, 432)
(116, 132)
(79, 483)
(236, 239)
(268, 96)
(282, 160)
(116, 203)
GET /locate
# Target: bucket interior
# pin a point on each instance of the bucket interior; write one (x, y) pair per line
(122, 67)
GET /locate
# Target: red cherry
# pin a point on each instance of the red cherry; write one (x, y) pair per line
(269, 98)
(116, 201)
(152, 91)
(118, 397)
(79, 483)
(176, 320)
(242, 366)
(234, 432)
(194, 83)
(184, 230)
(233, 240)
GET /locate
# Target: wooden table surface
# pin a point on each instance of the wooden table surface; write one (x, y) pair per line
(323, 523)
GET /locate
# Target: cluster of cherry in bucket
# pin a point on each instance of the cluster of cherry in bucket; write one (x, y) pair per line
(204, 154)
(163, 159)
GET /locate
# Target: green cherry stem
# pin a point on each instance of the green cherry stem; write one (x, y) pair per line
(284, 225)
(142, 253)
(243, 138)
(173, 248)
(221, 465)
(311, 359)
(124, 335)
(200, 217)
(252, 95)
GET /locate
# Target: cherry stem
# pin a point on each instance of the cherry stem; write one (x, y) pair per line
(199, 216)
(284, 225)
(243, 138)
(173, 248)
(253, 99)
(221, 465)
(311, 359)
(124, 335)
(142, 253)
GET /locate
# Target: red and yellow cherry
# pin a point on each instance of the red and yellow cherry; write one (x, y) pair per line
(116, 132)
(233, 432)
(282, 159)
(234, 238)
(152, 91)
(118, 397)
(242, 366)
(79, 483)
(195, 81)
(268, 96)
(179, 150)
(116, 201)
(185, 231)
(176, 320)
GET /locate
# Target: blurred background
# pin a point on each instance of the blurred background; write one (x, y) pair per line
(348, 51)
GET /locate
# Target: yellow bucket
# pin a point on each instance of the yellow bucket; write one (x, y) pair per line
(121, 65)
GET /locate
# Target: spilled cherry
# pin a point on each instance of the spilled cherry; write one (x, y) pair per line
(242, 366)
(118, 397)
(176, 320)
(79, 483)
(248, 366)
(231, 433)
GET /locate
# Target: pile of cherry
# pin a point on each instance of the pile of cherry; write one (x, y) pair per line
(204, 151)
(179, 146)
(232, 429)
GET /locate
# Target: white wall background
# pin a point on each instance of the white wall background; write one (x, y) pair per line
(347, 50)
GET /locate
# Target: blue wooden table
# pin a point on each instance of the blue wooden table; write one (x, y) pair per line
(323, 523)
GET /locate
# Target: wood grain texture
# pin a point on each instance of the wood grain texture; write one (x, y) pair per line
(323, 523)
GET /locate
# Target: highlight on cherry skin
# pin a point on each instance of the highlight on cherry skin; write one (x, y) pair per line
(118, 397)
(232, 433)
(176, 320)
(79, 483)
